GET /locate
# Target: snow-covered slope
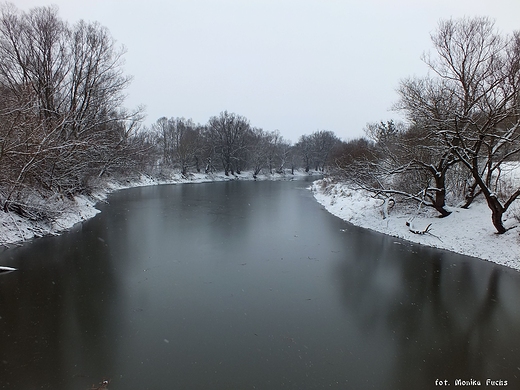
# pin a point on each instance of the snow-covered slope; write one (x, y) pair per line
(466, 231)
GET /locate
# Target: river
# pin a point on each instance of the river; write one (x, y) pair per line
(248, 285)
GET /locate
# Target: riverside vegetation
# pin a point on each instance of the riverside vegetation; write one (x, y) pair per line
(65, 132)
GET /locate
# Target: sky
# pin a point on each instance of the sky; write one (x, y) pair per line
(296, 66)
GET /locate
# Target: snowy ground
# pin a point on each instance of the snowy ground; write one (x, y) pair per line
(15, 229)
(468, 231)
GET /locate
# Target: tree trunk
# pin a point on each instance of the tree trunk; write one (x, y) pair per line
(439, 205)
(471, 195)
(439, 201)
(497, 211)
(197, 164)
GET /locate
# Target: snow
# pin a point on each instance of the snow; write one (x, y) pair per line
(466, 231)
(69, 212)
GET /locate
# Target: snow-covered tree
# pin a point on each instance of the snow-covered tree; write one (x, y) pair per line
(61, 120)
(471, 106)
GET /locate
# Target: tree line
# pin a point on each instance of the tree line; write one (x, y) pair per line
(462, 136)
(64, 127)
(229, 143)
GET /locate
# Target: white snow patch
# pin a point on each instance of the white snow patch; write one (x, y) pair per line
(465, 231)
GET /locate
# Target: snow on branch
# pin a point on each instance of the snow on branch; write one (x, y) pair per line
(426, 230)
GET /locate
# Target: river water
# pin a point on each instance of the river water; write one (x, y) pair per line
(248, 285)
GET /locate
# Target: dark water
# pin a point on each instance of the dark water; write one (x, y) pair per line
(248, 285)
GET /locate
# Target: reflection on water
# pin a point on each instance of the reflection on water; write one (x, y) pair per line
(248, 285)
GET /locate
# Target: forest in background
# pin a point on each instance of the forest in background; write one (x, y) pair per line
(64, 128)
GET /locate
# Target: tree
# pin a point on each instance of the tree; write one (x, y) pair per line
(305, 150)
(471, 106)
(62, 122)
(398, 161)
(258, 145)
(274, 140)
(284, 156)
(277, 151)
(162, 131)
(384, 133)
(187, 143)
(323, 142)
(227, 134)
(315, 149)
(180, 142)
(350, 154)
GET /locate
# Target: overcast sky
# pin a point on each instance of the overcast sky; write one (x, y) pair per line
(293, 65)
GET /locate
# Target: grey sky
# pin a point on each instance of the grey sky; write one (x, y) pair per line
(292, 65)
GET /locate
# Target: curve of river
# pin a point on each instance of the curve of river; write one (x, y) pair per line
(248, 285)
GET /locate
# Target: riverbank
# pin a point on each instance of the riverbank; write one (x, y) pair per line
(466, 231)
(15, 229)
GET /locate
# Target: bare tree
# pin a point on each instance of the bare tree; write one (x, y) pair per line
(284, 155)
(227, 133)
(258, 145)
(180, 141)
(62, 120)
(396, 164)
(305, 150)
(323, 142)
(414, 158)
(477, 90)
(277, 151)
(187, 143)
(161, 128)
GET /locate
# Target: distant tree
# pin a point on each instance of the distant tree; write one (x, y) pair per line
(258, 142)
(278, 152)
(146, 154)
(349, 155)
(227, 133)
(384, 133)
(284, 156)
(162, 131)
(293, 159)
(323, 143)
(180, 142)
(275, 139)
(306, 151)
(188, 144)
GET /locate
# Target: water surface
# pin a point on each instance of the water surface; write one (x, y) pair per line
(248, 285)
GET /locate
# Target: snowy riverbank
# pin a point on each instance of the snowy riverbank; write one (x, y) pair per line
(68, 212)
(468, 232)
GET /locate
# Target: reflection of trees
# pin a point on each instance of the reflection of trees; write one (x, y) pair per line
(444, 316)
(57, 315)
